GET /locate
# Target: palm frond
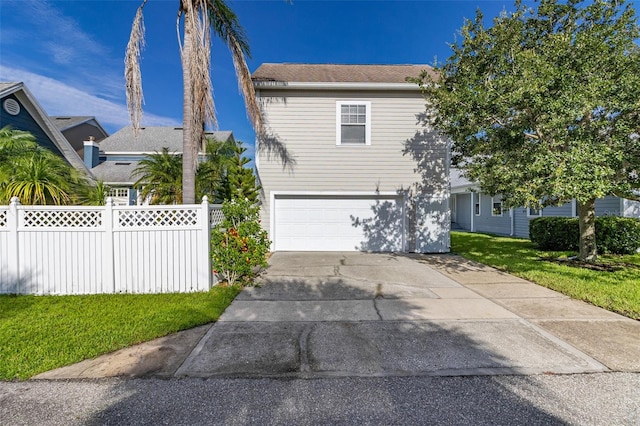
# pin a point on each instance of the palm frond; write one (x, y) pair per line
(132, 75)
(225, 23)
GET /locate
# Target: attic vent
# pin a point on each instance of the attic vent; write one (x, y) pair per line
(11, 106)
(177, 128)
(122, 164)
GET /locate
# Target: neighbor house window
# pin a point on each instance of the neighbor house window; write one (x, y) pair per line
(353, 123)
(534, 212)
(496, 207)
(476, 206)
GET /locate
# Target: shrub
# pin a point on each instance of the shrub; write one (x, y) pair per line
(615, 235)
(555, 233)
(239, 245)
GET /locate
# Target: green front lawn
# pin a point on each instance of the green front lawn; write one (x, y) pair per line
(40, 333)
(618, 291)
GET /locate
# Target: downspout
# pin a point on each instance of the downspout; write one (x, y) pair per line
(473, 211)
(513, 221)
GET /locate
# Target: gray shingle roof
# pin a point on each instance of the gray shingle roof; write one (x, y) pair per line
(112, 172)
(335, 73)
(457, 180)
(151, 139)
(65, 122)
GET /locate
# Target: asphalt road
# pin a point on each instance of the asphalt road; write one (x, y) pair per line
(582, 399)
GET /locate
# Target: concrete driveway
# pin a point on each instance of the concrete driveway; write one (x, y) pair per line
(359, 314)
(379, 315)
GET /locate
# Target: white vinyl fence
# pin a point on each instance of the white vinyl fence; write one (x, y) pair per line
(106, 249)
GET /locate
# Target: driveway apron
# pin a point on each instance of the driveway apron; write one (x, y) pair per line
(364, 314)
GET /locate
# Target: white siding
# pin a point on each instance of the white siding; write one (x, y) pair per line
(303, 132)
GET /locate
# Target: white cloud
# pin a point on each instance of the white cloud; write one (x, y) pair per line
(58, 98)
(62, 34)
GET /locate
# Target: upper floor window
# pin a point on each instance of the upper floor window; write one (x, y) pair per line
(353, 123)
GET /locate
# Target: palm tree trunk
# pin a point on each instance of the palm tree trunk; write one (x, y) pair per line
(188, 132)
(587, 221)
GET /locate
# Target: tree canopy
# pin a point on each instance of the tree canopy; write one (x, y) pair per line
(544, 106)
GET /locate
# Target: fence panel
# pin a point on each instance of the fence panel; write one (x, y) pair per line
(124, 249)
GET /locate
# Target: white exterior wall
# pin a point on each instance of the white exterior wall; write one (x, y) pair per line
(302, 124)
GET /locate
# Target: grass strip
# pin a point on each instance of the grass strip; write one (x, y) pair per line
(40, 333)
(617, 290)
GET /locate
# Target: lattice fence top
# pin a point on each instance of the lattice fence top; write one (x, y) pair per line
(3, 218)
(62, 219)
(162, 218)
(215, 216)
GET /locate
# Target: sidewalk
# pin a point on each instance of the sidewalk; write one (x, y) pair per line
(378, 315)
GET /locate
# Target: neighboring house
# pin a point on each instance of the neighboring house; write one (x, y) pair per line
(79, 129)
(114, 159)
(346, 163)
(474, 211)
(20, 110)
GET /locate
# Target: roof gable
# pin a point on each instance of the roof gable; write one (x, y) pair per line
(37, 114)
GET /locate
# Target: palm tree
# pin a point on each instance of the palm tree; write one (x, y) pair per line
(41, 178)
(96, 194)
(160, 177)
(33, 174)
(198, 19)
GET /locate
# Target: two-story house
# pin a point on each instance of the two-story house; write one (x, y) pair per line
(115, 159)
(346, 163)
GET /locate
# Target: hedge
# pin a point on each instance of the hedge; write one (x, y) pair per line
(615, 235)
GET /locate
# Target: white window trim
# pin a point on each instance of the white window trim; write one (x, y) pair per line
(493, 201)
(367, 125)
(479, 203)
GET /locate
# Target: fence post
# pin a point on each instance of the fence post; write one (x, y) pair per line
(204, 252)
(13, 220)
(109, 258)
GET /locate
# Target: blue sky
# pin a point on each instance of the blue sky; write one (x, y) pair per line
(70, 53)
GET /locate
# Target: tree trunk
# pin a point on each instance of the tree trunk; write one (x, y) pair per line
(587, 221)
(188, 150)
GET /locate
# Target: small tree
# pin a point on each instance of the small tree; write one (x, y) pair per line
(544, 106)
(239, 245)
(239, 180)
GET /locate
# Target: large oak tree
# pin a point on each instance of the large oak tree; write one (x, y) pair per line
(544, 106)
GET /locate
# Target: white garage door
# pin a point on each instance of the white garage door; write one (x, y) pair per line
(321, 223)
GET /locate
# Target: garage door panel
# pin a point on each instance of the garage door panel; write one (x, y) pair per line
(337, 223)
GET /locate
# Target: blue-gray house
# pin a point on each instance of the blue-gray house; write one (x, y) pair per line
(114, 159)
(472, 210)
(20, 110)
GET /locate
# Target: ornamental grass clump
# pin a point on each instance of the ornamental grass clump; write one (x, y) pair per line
(239, 245)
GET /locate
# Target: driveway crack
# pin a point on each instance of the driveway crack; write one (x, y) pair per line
(375, 306)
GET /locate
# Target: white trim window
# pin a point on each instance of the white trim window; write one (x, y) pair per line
(534, 212)
(353, 123)
(477, 207)
(496, 207)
